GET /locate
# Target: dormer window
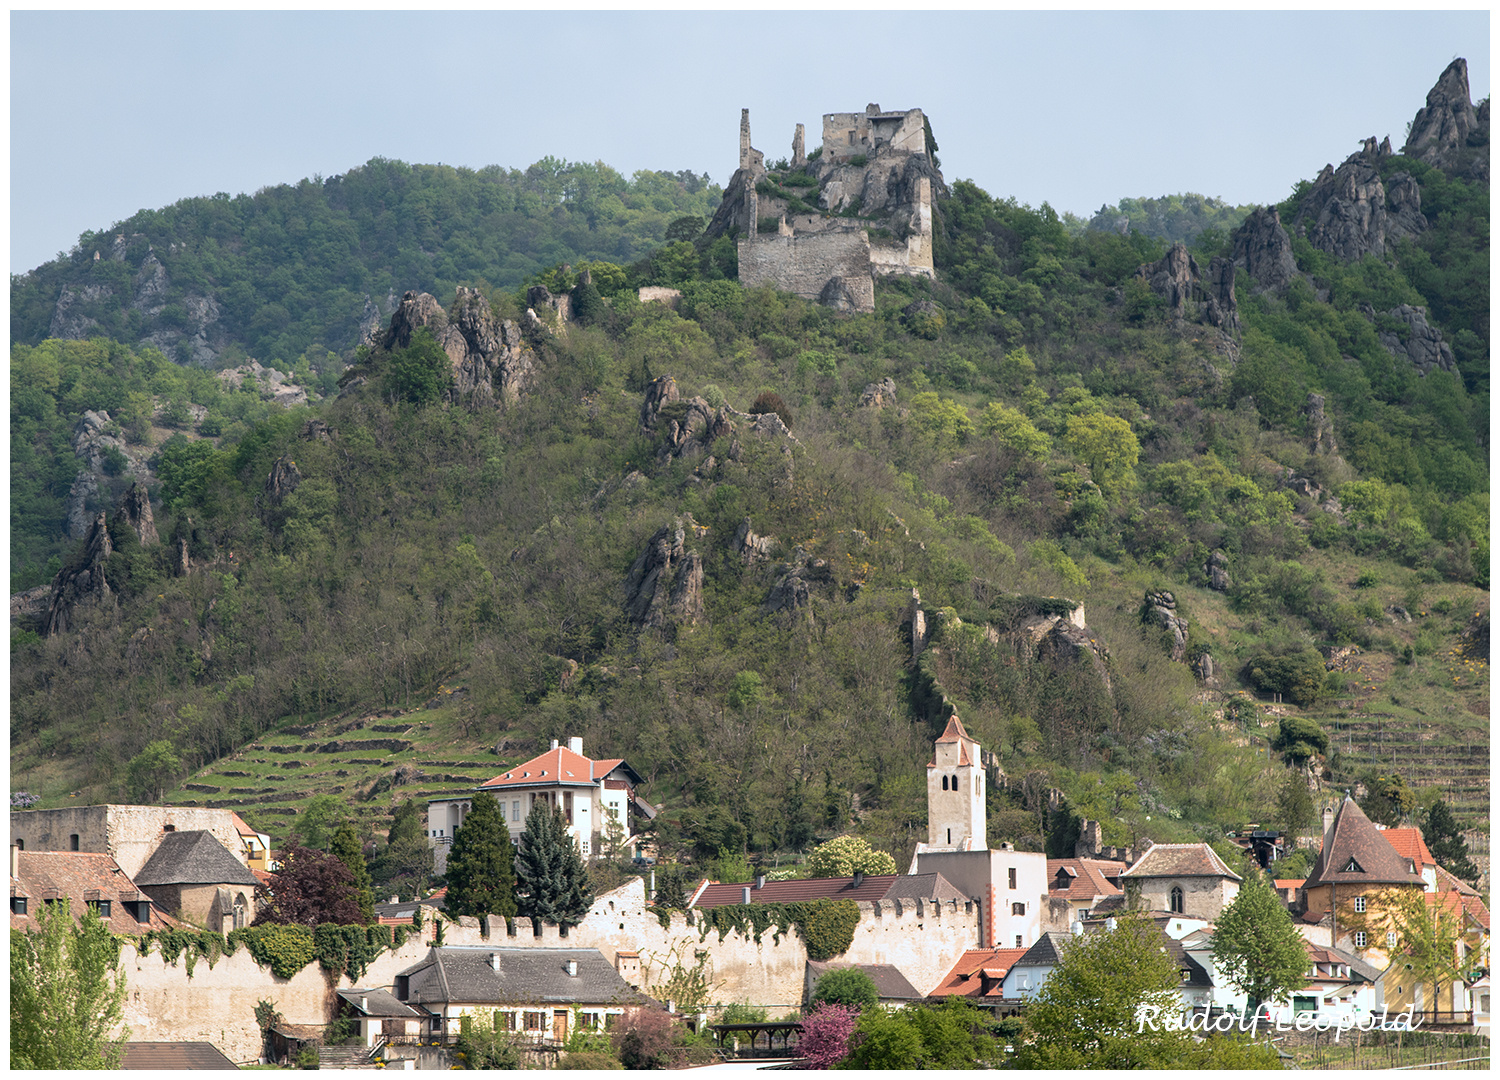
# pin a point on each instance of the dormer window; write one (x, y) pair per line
(1353, 867)
(102, 906)
(18, 905)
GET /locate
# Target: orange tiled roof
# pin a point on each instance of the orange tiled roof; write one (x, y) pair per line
(1409, 844)
(954, 732)
(1289, 882)
(559, 766)
(973, 969)
(1087, 879)
(73, 875)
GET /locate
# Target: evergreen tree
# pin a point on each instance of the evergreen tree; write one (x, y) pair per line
(405, 863)
(481, 871)
(1256, 945)
(1294, 805)
(67, 992)
(1445, 839)
(347, 849)
(551, 880)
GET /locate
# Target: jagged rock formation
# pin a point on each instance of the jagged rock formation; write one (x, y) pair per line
(271, 383)
(1319, 426)
(1203, 667)
(1351, 213)
(1217, 570)
(539, 298)
(369, 322)
(794, 587)
(82, 581)
(282, 480)
(878, 395)
(1175, 277)
(92, 441)
(135, 511)
(665, 585)
(751, 547)
(1449, 131)
(1160, 609)
(1264, 249)
(873, 171)
(81, 496)
(1424, 347)
(490, 360)
(1067, 644)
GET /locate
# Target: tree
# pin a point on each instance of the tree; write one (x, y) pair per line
(1389, 800)
(1256, 945)
(551, 881)
(405, 863)
(67, 993)
(845, 856)
(953, 1035)
(1105, 443)
(312, 888)
(644, 1038)
(1445, 839)
(1428, 931)
(347, 849)
(845, 986)
(1300, 740)
(1085, 1016)
(420, 372)
(153, 771)
(1301, 676)
(770, 402)
(481, 871)
(484, 1045)
(1294, 806)
(826, 1029)
(320, 818)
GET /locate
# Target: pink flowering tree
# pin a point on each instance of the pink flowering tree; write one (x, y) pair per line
(825, 1035)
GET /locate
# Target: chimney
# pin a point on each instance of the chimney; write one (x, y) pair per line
(572, 968)
(495, 961)
(554, 744)
(15, 861)
(575, 744)
(745, 895)
(364, 1004)
(859, 878)
(760, 881)
(651, 892)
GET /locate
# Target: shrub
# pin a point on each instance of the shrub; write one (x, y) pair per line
(1299, 676)
(845, 986)
(845, 856)
(825, 1035)
(770, 402)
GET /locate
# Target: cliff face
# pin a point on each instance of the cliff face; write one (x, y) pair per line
(491, 362)
(1351, 213)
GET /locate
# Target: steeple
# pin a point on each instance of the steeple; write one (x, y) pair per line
(955, 792)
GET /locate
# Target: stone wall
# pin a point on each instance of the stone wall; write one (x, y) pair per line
(1202, 897)
(127, 833)
(804, 264)
(217, 1005)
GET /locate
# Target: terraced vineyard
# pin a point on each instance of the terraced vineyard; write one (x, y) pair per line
(372, 762)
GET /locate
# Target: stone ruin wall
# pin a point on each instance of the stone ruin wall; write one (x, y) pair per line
(803, 265)
(217, 1005)
(129, 834)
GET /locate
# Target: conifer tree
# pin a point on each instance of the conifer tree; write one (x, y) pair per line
(551, 880)
(1445, 839)
(347, 849)
(481, 870)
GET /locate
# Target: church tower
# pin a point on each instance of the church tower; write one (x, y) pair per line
(955, 792)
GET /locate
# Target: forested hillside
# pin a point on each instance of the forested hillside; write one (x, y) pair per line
(691, 532)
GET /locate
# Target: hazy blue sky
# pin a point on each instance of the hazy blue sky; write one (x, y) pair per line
(112, 112)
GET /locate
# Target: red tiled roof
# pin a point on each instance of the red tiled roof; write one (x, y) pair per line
(1447, 882)
(954, 732)
(1410, 845)
(558, 766)
(973, 968)
(1459, 905)
(240, 824)
(1289, 882)
(605, 767)
(1087, 879)
(74, 874)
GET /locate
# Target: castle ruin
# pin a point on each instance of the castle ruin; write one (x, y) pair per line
(858, 206)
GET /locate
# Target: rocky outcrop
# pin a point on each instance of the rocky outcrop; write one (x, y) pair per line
(27, 606)
(751, 547)
(1069, 645)
(793, 589)
(1217, 571)
(688, 426)
(490, 361)
(1264, 249)
(70, 318)
(282, 480)
(150, 287)
(839, 294)
(92, 440)
(82, 581)
(1423, 347)
(1160, 609)
(664, 588)
(135, 511)
(1203, 667)
(1449, 132)
(1176, 278)
(878, 395)
(1350, 213)
(272, 384)
(1319, 426)
(369, 323)
(80, 503)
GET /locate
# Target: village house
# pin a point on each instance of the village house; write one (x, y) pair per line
(128, 834)
(1183, 879)
(929, 888)
(979, 976)
(82, 880)
(893, 989)
(192, 875)
(595, 798)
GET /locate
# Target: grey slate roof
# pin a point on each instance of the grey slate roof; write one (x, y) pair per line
(1047, 950)
(890, 984)
(193, 857)
(377, 1002)
(174, 1055)
(526, 976)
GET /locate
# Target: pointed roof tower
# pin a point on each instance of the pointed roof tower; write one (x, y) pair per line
(1356, 852)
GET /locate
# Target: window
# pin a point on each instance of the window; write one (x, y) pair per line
(510, 1021)
(1390, 939)
(18, 905)
(73, 842)
(1353, 868)
(1018, 943)
(534, 1021)
(1361, 939)
(1018, 909)
(953, 782)
(515, 810)
(102, 907)
(1012, 877)
(945, 783)
(1359, 904)
(1176, 900)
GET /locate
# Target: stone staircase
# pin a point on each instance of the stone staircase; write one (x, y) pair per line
(345, 1056)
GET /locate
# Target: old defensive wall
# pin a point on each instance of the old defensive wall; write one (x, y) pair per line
(217, 1004)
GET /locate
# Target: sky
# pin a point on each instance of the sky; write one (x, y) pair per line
(114, 112)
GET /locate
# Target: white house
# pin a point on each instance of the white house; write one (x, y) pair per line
(589, 793)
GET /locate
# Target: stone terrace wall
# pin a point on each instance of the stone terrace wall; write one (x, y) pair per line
(803, 264)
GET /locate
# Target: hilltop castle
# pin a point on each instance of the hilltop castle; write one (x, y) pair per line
(859, 205)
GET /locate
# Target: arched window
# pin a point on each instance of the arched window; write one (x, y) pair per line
(1176, 901)
(953, 782)
(945, 783)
